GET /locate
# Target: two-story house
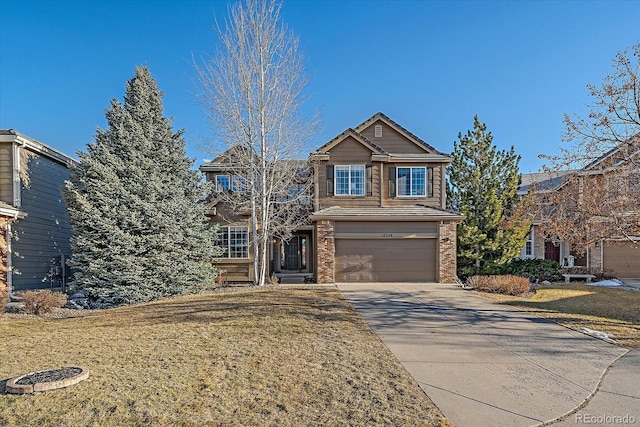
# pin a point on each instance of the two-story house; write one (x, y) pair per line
(600, 202)
(379, 198)
(33, 217)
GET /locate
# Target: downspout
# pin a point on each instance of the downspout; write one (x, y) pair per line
(443, 186)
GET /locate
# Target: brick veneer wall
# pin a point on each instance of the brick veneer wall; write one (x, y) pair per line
(326, 251)
(595, 258)
(447, 254)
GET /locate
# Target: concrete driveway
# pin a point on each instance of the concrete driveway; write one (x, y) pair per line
(482, 363)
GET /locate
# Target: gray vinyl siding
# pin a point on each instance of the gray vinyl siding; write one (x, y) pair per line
(6, 173)
(44, 234)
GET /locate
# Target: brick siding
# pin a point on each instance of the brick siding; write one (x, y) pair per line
(326, 251)
(447, 252)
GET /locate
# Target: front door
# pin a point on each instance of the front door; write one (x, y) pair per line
(551, 251)
(292, 254)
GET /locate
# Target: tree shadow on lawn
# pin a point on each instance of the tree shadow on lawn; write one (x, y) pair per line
(322, 306)
(580, 305)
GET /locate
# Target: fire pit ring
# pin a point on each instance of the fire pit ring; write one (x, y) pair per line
(48, 379)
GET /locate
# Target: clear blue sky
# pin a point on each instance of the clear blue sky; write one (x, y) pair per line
(429, 65)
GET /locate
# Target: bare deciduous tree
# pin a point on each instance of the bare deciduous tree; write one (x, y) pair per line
(601, 198)
(253, 91)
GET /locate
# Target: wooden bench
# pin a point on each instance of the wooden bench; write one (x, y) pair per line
(568, 277)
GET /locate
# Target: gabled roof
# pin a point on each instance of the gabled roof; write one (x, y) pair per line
(13, 136)
(430, 154)
(631, 146)
(542, 181)
(410, 136)
(355, 135)
(224, 161)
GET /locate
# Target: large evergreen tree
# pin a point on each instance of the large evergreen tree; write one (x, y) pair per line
(139, 232)
(483, 185)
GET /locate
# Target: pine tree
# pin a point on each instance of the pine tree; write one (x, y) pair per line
(483, 185)
(139, 232)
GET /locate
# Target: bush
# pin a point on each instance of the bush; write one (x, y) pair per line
(536, 270)
(4, 297)
(42, 302)
(505, 284)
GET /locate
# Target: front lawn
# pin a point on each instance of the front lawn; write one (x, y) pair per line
(281, 357)
(615, 312)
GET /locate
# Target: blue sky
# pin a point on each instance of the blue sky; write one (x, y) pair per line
(429, 65)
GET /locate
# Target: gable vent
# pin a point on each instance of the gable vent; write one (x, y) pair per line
(378, 131)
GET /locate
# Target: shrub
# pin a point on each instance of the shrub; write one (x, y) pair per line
(4, 297)
(536, 270)
(505, 284)
(42, 302)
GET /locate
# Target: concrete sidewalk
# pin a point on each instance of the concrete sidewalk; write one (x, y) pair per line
(486, 364)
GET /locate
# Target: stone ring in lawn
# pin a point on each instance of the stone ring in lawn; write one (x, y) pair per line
(49, 379)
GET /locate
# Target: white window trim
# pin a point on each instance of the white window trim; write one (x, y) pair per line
(411, 168)
(531, 240)
(218, 185)
(335, 180)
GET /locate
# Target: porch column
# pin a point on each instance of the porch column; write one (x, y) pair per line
(325, 251)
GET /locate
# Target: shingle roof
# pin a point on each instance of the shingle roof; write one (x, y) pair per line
(403, 213)
(543, 181)
(358, 136)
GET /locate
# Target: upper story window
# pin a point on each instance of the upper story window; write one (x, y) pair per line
(230, 182)
(223, 182)
(349, 180)
(234, 241)
(412, 181)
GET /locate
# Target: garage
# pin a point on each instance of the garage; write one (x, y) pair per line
(389, 260)
(622, 257)
(385, 252)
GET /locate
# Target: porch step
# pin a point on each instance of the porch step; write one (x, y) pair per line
(291, 279)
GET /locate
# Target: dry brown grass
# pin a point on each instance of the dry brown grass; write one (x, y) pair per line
(275, 357)
(610, 310)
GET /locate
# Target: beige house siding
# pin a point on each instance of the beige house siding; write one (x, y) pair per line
(6, 174)
(349, 152)
(435, 201)
(391, 141)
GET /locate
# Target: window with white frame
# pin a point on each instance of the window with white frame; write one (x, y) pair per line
(223, 182)
(230, 182)
(527, 249)
(238, 184)
(234, 241)
(411, 181)
(349, 180)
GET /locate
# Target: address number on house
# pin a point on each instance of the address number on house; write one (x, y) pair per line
(387, 234)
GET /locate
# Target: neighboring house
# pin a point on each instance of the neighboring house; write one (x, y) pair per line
(378, 213)
(38, 235)
(618, 255)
